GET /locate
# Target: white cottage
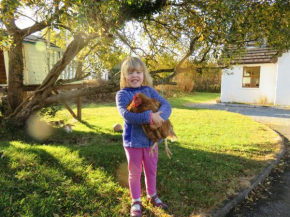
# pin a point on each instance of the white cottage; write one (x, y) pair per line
(260, 76)
(38, 60)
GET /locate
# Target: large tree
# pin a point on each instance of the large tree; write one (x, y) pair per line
(171, 36)
(89, 21)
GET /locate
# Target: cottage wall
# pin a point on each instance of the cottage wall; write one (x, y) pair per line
(35, 67)
(283, 80)
(232, 90)
(36, 59)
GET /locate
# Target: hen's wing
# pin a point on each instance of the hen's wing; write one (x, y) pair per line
(155, 104)
(163, 132)
(154, 135)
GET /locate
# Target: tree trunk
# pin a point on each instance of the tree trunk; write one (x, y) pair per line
(20, 115)
(15, 78)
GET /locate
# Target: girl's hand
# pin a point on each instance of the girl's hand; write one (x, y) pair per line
(153, 126)
(157, 119)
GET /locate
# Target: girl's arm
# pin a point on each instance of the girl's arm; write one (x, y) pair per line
(122, 100)
(165, 106)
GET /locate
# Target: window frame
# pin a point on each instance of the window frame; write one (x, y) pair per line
(251, 76)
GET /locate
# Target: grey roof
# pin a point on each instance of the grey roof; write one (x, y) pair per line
(257, 55)
(33, 39)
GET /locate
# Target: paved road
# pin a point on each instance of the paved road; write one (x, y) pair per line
(276, 201)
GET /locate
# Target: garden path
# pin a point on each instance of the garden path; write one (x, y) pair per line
(275, 200)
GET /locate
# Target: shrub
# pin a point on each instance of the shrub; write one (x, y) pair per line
(50, 110)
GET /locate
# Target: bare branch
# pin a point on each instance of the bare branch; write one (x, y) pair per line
(65, 27)
(188, 54)
(123, 39)
(110, 87)
(79, 42)
(205, 54)
(24, 15)
(61, 81)
(38, 26)
(161, 70)
(178, 67)
(170, 30)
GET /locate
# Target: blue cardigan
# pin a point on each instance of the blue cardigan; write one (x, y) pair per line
(133, 134)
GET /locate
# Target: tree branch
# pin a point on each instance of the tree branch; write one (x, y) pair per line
(61, 81)
(72, 50)
(161, 70)
(205, 54)
(188, 54)
(65, 27)
(24, 15)
(109, 87)
(34, 28)
(122, 38)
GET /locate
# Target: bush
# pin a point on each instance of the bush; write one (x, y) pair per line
(185, 84)
(50, 110)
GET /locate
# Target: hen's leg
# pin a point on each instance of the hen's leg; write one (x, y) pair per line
(168, 152)
(153, 149)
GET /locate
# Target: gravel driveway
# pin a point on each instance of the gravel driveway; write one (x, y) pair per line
(277, 202)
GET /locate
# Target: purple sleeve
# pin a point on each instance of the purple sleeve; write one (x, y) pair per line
(165, 106)
(122, 100)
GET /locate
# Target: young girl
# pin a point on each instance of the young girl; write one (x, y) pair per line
(136, 79)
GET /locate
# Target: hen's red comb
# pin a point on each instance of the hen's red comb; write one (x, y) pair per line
(135, 96)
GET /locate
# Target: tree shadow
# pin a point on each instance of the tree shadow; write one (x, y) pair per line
(42, 184)
(90, 126)
(193, 178)
(183, 193)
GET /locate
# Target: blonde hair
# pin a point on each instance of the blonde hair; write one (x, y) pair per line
(134, 63)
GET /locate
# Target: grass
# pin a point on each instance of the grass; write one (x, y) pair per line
(84, 173)
(181, 100)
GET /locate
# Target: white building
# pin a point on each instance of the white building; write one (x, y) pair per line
(38, 60)
(260, 76)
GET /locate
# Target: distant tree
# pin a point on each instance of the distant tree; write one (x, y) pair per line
(209, 33)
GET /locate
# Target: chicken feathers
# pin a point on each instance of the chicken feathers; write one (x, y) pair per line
(142, 103)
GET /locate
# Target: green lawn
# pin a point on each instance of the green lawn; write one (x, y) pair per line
(84, 173)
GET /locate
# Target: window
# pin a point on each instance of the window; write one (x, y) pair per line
(251, 77)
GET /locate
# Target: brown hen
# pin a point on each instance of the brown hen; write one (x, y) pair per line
(142, 103)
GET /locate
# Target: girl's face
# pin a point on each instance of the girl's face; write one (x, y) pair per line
(134, 78)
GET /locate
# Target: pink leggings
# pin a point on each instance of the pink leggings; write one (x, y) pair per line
(136, 157)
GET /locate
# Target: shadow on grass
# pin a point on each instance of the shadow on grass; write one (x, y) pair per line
(191, 180)
(44, 180)
(90, 126)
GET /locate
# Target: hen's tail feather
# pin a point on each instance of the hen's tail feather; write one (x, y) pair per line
(172, 137)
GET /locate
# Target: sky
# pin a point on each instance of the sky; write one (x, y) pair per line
(24, 22)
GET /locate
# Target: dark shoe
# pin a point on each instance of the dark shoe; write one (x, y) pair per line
(134, 212)
(155, 201)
